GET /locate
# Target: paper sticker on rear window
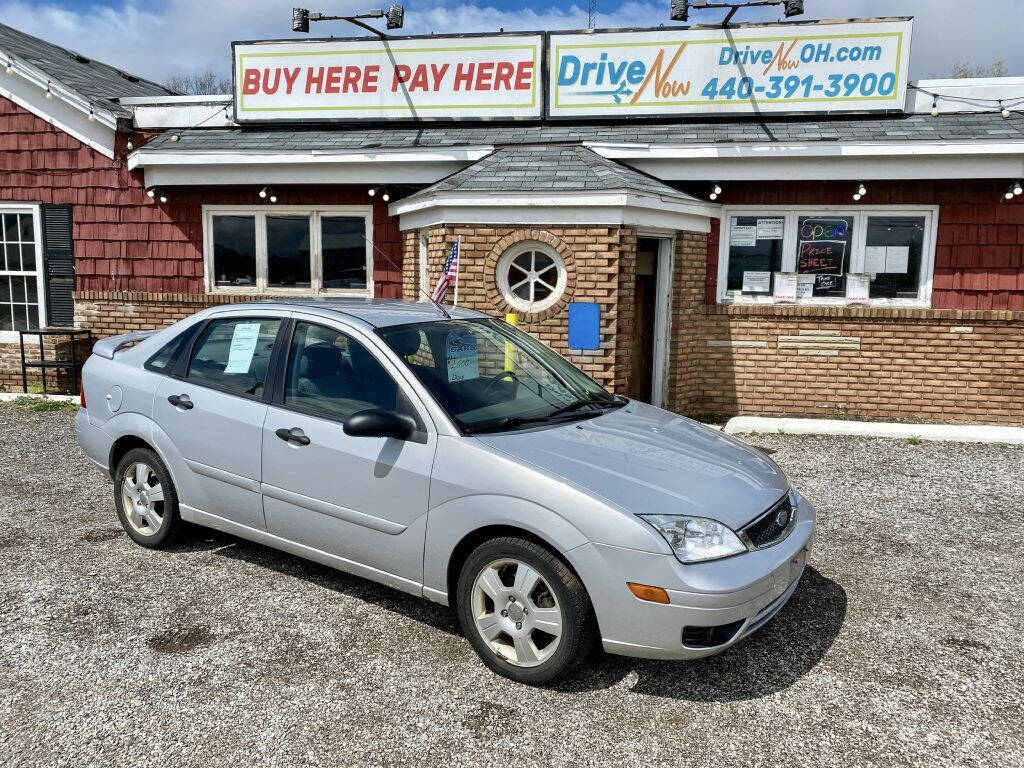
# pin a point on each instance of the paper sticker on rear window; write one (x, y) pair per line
(463, 356)
(243, 345)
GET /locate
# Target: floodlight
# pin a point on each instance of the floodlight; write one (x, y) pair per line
(794, 7)
(300, 20)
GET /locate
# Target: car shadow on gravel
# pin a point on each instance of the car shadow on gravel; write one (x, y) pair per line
(413, 607)
(770, 660)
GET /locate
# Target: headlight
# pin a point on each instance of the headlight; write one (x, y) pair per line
(694, 539)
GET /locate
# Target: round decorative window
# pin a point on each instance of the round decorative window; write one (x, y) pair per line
(531, 277)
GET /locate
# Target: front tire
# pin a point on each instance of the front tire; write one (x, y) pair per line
(146, 500)
(524, 611)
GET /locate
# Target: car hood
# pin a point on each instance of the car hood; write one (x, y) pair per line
(646, 460)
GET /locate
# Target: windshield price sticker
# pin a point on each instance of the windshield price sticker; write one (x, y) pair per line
(858, 66)
(243, 346)
(463, 356)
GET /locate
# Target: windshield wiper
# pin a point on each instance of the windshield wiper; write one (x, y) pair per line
(510, 422)
(577, 404)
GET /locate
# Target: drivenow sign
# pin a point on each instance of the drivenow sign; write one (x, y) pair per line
(414, 78)
(819, 67)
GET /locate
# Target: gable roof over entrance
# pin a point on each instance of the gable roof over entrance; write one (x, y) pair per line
(550, 168)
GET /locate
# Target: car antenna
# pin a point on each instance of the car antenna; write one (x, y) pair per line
(391, 261)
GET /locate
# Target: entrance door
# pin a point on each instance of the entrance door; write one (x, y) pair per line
(645, 298)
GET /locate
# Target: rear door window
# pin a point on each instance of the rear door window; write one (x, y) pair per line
(234, 355)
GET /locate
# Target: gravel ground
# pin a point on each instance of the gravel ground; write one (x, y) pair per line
(901, 646)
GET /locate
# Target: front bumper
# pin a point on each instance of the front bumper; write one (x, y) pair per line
(744, 592)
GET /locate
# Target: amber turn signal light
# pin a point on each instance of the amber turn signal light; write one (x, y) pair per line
(650, 594)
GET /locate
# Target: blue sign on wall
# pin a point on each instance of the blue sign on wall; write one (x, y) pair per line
(584, 325)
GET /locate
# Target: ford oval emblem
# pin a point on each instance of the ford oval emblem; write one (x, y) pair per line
(782, 517)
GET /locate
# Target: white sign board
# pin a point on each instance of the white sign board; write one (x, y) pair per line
(819, 67)
(757, 282)
(743, 237)
(785, 286)
(243, 346)
(494, 76)
(771, 229)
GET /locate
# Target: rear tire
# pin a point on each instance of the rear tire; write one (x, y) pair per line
(146, 500)
(524, 611)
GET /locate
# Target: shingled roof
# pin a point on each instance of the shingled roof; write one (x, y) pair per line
(957, 127)
(100, 84)
(551, 168)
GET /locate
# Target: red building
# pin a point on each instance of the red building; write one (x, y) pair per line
(861, 264)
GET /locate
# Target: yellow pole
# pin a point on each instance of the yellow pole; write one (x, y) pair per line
(512, 319)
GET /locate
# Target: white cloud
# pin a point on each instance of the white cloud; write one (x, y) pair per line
(184, 36)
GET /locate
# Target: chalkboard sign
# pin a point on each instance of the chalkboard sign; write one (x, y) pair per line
(823, 243)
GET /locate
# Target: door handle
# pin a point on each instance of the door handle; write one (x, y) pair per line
(293, 435)
(181, 401)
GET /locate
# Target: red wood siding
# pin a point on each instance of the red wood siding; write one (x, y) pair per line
(125, 241)
(979, 252)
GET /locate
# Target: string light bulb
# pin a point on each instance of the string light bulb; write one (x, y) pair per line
(1003, 110)
(49, 93)
(92, 116)
(9, 69)
(151, 192)
(272, 195)
(935, 106)
(372, 191)
(174, 137)
(717, 190)
(713, 196)
(1018, 188)
(263, 193)
(163, 196)
(1009, 194)
(385, 197)
(129, 146)
(861, 189)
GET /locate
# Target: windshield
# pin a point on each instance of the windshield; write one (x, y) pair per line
(490, 376)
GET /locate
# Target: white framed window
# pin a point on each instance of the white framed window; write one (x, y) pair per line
(878, 255)
(22, 286)
(531, 276)
(289, 249)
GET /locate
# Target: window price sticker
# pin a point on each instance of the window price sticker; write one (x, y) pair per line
(463, 356)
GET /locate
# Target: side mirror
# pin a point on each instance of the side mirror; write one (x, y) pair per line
(377, 422)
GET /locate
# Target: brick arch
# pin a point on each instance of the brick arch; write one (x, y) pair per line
(518, 236)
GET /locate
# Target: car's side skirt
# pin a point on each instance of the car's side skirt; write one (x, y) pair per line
(197, 516)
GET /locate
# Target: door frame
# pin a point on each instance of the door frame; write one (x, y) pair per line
(664, 272)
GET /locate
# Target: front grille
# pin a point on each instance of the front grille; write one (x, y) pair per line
(773, 526)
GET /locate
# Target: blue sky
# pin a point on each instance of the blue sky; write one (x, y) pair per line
(160, 38)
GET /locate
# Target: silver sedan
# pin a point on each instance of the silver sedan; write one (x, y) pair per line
(454, 457)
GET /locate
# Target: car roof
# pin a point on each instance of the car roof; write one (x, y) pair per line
(379, 313)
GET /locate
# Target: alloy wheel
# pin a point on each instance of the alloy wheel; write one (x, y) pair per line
(142, 497)
(516, 612)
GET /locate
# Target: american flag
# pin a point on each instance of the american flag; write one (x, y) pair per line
(451, 272)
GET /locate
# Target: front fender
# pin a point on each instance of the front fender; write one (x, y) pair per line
(450, 522)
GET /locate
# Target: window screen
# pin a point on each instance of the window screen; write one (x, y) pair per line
(824, 248)
(755, 253)
(343, 249)
(234, 250)
(288, 252)
(893, 256)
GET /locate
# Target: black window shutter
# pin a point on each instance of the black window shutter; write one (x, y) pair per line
(59, 263)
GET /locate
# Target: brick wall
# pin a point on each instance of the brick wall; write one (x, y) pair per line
(126, 241)
(859, 363)
(979, 254)
(595, 257)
